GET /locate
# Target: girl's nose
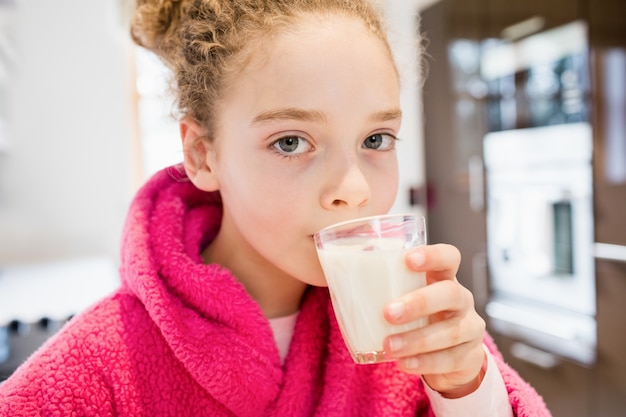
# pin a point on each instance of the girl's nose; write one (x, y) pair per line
(346, 185)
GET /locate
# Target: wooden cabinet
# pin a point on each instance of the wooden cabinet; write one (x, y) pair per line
(451, 142)
(608, 386)
(566, 387)
(455, 124)
(571, 390)
(608, 50)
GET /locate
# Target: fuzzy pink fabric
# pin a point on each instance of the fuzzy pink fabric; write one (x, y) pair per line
(181, 338)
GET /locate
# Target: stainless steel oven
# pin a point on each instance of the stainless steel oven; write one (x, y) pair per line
(540, 238)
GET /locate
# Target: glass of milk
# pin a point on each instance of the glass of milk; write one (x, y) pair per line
(364, 264)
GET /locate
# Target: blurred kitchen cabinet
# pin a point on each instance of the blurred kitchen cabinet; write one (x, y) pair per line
(453, 133)
(608, 50)
(606, 18)
(21, 341)
(566, 387)
(609, 374)
(457, 118)
(513, 17)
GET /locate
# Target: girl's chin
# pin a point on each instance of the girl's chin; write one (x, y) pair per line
(318, 284)
(316, 281)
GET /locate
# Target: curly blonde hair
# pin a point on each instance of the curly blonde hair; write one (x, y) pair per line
(206, 43)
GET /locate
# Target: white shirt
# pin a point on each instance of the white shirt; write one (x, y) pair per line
(489, 399)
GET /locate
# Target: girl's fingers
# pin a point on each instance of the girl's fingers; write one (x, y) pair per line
(443, 296)
(462, 361)
(440, 261)
(448, 350)
(457, 331)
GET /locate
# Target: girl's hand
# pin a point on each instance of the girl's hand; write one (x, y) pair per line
(448, 351)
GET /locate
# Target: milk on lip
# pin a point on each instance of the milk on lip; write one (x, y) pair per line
(359, 271)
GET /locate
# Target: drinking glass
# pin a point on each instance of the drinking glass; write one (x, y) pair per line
(364, 264)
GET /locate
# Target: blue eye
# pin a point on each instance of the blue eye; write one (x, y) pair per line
(380, 142)
(291, 145)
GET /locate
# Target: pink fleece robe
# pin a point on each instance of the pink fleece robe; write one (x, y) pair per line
(181, 338)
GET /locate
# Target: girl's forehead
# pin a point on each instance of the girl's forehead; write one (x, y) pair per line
(321, 35)
(335, 67)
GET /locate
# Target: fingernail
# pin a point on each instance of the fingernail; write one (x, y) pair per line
(396, 310)
(411, 363)
(417, 258)
(396, 343)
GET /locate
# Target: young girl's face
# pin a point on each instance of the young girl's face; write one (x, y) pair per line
(305, 139)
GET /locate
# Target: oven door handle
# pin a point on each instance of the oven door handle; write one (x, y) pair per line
(540, 358)
(609, 252)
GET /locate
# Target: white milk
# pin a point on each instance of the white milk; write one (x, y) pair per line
(363, 276)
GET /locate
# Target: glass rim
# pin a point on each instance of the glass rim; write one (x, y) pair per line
(370, 218)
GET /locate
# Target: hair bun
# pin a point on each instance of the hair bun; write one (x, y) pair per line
(207, 43)
(156, 26)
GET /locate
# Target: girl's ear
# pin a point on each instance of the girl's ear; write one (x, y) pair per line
(199, 155)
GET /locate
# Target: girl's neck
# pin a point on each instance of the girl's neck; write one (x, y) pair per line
(277, 293)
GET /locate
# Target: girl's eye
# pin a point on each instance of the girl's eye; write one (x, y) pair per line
(292, 145)
(380, 142)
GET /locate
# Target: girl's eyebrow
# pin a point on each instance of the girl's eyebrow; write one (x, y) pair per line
(289, 113)
(387, 115)
(305, 115)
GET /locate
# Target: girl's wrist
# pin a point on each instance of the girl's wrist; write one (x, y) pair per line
(469, 387)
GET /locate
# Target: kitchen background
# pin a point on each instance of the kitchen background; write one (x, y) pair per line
(514, 149)
(525, 154)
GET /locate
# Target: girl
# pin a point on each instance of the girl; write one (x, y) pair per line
(290, 111)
